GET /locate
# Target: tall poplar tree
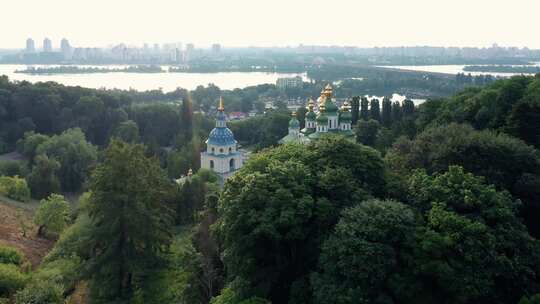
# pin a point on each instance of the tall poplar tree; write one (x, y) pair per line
(364, 108)
(186, 112)
(355, 109)
(375, 110)
(387, 112)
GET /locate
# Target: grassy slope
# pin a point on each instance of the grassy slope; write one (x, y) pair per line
(13, 216)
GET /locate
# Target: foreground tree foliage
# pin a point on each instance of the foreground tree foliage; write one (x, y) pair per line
(504, 161)
(459, 241)
(364, 254)
(132, 223)
(478, 249)
(284, 202)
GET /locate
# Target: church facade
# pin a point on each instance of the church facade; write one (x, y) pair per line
(222, 155)
(326, 119)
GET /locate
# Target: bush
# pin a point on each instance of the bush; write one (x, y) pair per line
(229, 296)
(12, 168)
(40, 292)
(11, 279)
(52, 214)
(64, 272)
(15, 188)
(9, 255)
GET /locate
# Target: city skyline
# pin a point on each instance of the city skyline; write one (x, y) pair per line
(280, 23)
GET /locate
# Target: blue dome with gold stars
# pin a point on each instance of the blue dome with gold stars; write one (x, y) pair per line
(221, 137)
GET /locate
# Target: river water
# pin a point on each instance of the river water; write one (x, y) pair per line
(450, 69)
(149, 81)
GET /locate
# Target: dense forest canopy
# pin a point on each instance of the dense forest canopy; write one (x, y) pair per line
(435, 203)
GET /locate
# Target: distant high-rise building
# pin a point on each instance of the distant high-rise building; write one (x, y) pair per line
(190, 47)
(216, 48)
(66, 48)
(30, 45)
(47, 45)
(290, 82)
(177, 55)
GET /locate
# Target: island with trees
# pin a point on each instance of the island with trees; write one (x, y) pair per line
(90, 70)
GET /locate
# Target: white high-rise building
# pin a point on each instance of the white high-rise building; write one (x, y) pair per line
(66, 48)
(30, 45)
(47, 45)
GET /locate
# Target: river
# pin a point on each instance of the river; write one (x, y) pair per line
(451, 69)
(148, 81)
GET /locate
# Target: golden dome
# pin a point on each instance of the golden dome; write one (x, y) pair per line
(346, 106)
(327, 92)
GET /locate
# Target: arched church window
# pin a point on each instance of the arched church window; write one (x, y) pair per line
(213, 150)
(230, 149)
(211, 164)
(231, 164)
(220, 150)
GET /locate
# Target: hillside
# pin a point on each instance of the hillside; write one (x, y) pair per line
(12, 219)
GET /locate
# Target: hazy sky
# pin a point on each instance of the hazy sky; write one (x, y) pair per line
(273, 22)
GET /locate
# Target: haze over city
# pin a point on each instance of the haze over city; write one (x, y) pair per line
(274, 23)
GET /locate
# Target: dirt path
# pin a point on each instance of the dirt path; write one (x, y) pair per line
(13, 220)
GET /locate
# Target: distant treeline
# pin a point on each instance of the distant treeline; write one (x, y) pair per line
(530, 69)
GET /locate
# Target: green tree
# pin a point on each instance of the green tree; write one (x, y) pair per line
(524, 121)
(285, 201)
(91, 111)
(42, 180)
(364, 255)
(52, 215)
(386, 117)
(355, 109)
(366, 132)
(504, 161)
(364, 108)
(186, 113)
(15, 187)
(28, 145)
(474, 246)
(408, 108)
(75, 155)
(396, 111)
(375, 110)
(128, 131)
(132, 222)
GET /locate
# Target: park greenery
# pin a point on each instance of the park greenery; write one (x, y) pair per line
(433, 203)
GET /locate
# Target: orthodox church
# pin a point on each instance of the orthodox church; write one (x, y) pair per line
(222, 155)
(327, 119)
